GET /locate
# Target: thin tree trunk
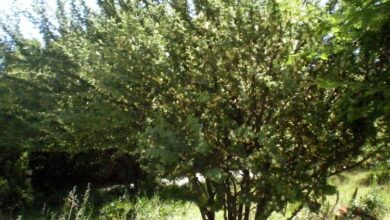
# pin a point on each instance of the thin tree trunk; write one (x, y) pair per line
(240, 209)
(246, 192)
(224, 211)
(230, 206)
(210, 215)
(206, 213)
(247, 211)
(202, 213)
(262, 211)
(211, 199)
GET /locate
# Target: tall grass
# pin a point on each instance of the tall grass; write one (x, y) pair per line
(153, 208)
(74, 208)
(372, 199)
(142, 208)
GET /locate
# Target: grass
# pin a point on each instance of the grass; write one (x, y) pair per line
(360, 180)
(346, 184)
(160, 207)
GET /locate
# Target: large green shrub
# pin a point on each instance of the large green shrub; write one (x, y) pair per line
(232, 95)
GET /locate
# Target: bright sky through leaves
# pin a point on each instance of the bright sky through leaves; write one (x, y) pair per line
(8, 7)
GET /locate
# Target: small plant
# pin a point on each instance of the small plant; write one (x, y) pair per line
(370, 207)
(82, 211)
(72, 208)
(122, 208)
(155, 208)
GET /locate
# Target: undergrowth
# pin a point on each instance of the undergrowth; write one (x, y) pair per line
(367, 202)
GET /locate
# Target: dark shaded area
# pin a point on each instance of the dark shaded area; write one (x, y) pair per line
(54, 174)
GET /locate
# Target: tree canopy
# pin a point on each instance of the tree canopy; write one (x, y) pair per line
(257, 103)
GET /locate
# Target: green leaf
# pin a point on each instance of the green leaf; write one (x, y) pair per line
(335, 29)
(214, 174)
(324, 56)
(328, 84)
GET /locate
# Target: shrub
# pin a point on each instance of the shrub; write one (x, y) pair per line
(370, 207)
(118, 209)
(15, 188)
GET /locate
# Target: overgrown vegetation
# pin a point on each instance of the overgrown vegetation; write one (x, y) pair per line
(256, 104)
(368, 202)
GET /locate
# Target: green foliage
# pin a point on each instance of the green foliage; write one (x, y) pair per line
(256, 103)
(118, 209)
(81, 208)
(15, 188)
(380, 175)
(144, 208)
(74, 207)
(370, 206)
(357, 71)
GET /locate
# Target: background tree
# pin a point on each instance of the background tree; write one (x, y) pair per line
(18, 127)
(356, 71)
